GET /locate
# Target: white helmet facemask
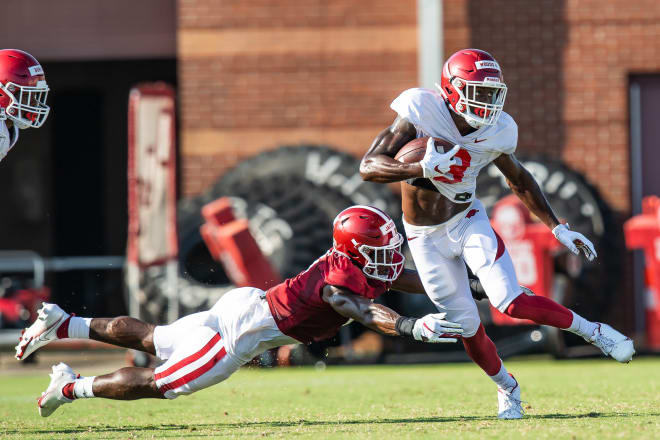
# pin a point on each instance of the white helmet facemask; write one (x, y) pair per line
(478, 113)
(384, 263)
(27, 106)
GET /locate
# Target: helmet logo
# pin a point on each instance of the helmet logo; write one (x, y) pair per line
(487, 65)
(387, 227)
(458, 83)
(36, 70)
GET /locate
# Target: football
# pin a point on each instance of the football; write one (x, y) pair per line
(414, 150)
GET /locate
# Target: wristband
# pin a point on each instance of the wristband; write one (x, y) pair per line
(404, 326)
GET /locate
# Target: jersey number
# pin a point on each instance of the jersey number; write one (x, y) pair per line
(457, 171)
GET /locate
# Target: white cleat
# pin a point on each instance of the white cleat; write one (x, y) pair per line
(510, 405)
(613, 343)
(52, 398)
(42, 331)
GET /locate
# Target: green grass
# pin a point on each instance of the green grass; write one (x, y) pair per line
(596, 399)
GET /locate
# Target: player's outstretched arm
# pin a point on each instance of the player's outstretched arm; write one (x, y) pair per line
(523, 184)
(430, 328)
(378, 164)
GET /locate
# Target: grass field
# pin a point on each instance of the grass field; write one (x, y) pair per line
(596, 399)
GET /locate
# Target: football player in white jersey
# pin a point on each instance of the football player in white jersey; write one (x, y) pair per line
(23, 92)
(447, 227)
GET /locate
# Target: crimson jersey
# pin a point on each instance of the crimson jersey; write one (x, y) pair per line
(297, 304)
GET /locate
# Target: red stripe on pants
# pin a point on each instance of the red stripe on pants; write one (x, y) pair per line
(195, 373)
(500, 246)
(190, 359)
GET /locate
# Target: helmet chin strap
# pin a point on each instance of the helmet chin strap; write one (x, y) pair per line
(20, 124)
(473, 124)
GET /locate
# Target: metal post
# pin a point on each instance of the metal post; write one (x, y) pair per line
(430, 34)
(639, 286)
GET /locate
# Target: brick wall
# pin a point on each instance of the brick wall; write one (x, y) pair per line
(567, 65)
(260, 74)
(255, 75)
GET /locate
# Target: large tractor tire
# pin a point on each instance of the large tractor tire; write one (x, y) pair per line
(290, 197)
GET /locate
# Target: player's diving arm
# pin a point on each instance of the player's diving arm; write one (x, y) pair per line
(430, 328)
(409, 282)
(378, 164)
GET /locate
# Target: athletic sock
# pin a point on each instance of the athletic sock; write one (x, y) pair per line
(504, 379)
(74, 327)
(82, 387)
(79, 327)
(582, 327)
(482, 351)
(541, 310)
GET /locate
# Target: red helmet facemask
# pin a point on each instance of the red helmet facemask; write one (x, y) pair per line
(369, 237)
(473, 86)
(23, 89)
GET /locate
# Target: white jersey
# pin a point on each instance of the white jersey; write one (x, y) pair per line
(7, 139)
(427, 110)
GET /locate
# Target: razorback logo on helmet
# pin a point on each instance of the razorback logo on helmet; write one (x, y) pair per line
(387, 227)
(487, 64)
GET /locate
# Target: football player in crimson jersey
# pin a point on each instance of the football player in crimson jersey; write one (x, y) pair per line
(448, 228)
(205, 348)
(23, 92)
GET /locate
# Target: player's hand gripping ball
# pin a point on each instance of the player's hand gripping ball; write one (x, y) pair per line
(435, 155)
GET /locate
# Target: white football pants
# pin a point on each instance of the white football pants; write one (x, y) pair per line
(205, 348)
(439, 252)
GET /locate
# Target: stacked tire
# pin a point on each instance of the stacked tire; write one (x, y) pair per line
(290, 197)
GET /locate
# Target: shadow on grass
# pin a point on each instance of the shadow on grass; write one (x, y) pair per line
(195, 428)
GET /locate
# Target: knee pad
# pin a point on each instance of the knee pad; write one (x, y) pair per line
(470, 325)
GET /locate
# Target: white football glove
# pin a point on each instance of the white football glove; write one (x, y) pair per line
(574, 241)
(435, 163)
(434, 329)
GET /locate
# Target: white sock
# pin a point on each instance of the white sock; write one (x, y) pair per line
(582, 327)
(79, 327)
(504, 380)
(82, 387)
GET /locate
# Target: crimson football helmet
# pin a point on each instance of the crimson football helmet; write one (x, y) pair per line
(369, 237)
(23, 89)
(473, 86)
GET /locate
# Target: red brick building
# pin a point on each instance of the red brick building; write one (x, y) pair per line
(255, 75)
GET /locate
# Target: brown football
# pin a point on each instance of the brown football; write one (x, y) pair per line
(414, 150)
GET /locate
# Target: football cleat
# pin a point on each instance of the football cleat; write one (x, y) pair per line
(613, 343)
(42, 331)
(52, 398)
(510, 405)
